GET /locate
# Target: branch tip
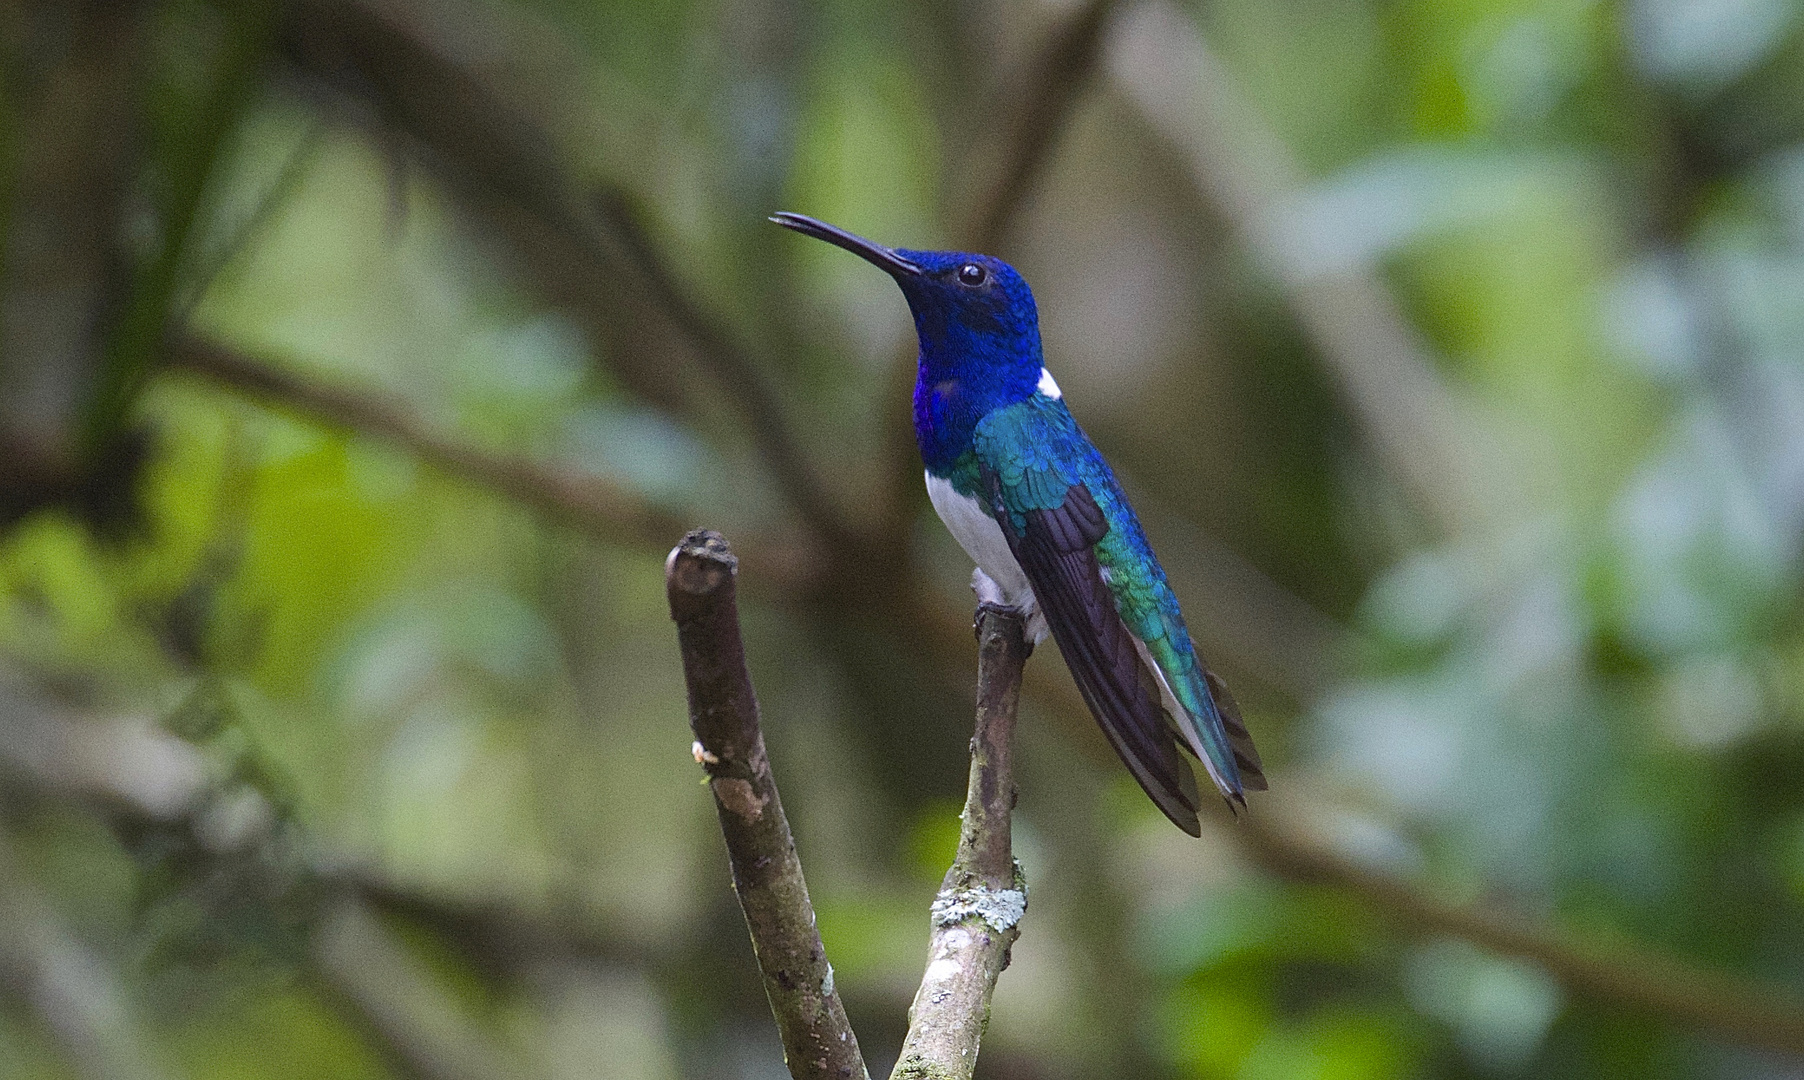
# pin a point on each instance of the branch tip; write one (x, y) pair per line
(699, 566)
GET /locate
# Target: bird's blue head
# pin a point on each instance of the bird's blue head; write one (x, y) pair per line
(979, 332)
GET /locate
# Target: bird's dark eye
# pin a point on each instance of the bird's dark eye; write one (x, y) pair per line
(972, 275)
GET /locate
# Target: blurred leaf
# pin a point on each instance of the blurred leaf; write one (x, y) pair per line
(1501, 1009)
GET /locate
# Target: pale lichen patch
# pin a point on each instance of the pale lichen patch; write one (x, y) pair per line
(999, 908)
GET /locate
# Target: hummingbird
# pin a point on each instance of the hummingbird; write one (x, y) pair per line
(1025, 493)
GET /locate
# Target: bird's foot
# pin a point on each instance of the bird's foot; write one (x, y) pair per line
(989, 594)
(991, 598)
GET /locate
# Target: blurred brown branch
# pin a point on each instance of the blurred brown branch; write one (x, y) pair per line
(818, 1043)
(590, 503)
(498, 937)
(976, 917)
(157, 282)
(600, 508)
(1032, 108)
(76, 142)
(1706, 1001)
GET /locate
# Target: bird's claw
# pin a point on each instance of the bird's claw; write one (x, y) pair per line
(991, 606)
(989, 598)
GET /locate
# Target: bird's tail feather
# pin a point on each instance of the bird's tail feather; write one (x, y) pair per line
(1252, 773)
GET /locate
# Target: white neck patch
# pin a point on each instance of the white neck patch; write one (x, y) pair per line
(1047, 386)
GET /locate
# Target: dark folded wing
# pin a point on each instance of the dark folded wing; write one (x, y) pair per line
(1058, 553)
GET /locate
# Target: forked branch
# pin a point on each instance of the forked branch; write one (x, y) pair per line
(975, 918)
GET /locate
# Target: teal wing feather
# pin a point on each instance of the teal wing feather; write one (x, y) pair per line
(1086, 555)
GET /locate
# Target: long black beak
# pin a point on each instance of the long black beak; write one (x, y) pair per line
(876, 254)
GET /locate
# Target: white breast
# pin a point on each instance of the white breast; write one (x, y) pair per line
(977, 532)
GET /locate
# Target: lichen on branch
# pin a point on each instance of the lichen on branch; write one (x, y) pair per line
(976, 917)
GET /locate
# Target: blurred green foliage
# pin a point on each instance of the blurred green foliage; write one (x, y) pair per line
(1584, 702)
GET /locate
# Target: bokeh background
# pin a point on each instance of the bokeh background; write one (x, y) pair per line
(361, 359)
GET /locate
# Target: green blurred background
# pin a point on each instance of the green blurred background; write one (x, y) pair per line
(361, 359)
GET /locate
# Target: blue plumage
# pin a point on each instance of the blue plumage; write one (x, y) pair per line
(1038, 509)
(976, 356)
